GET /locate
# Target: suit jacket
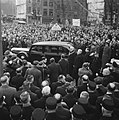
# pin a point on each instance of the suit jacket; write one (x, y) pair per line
(81, 88)
(40, 103)
(69, 99)
(32, 95)
(37, 75)
(54, 70)
(54, 86)
(17, 81)
(63, 113)
(62, 90)
(9, 93)
(64, 66)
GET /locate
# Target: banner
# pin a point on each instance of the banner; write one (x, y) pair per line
(76, 22)
(56, 27)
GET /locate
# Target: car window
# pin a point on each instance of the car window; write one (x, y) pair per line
(63, 50)
(37, 49)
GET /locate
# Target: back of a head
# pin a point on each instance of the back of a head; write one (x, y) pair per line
(58, 97)
(4, 79)
(15, 112)
(25, 97)
(38, 114)
(51, 103)
(45, 83)
(46, 90)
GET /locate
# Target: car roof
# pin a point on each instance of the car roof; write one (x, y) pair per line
(54, 43)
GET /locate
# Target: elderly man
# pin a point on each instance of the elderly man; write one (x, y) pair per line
(7, 91)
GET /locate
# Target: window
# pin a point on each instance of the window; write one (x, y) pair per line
(44, 12)
(50, 12)
(29, 9)
(38, 11)
(51, 4)
(45, 3)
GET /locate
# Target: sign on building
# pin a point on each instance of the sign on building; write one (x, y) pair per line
(76, 22)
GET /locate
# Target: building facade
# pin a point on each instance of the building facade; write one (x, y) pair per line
(111, 12)
(70, 9)
(21, 9)
(96, 11)
(8, 7)
(47, 11)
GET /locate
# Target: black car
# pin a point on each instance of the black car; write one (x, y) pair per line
(46, 48)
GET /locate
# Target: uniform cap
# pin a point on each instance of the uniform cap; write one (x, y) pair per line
(78, 111)
(38, 114)
(51, 103)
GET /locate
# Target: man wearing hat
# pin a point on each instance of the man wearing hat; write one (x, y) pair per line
(60, 82)
(62, 111)
(36, 73)
(78, 112)
(51, 104)
(92, 93)
(83, 86)
(26, 87)
(40, 103)
(84, 102)
(107, 77)
(4, 113)
(54, 70)
(85, 70)
(27, 108)
(38, 114)
(78, 63)
(7, 91)
(69, 98)
(64, 65)
(17, 80)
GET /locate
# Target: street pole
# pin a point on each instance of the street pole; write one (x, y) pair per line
(1, 50)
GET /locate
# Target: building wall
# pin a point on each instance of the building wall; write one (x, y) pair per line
(21, 9)
(70, 9)
(96, 8)
(8, 7)
(111, 12)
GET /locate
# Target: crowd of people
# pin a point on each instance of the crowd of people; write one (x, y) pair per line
(84, 86)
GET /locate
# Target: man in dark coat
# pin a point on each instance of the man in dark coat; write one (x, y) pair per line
(54, 70)
(69, 98)
(55, 85)
(36, 73)
(106, 54)
(64, 65)
(78, 63)
(17, 81)
(7, 91)
(71, 59)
